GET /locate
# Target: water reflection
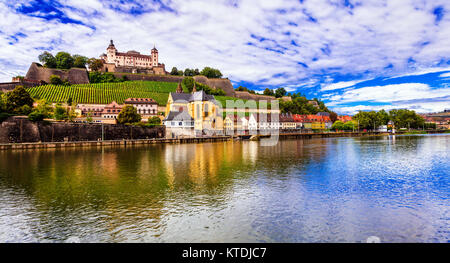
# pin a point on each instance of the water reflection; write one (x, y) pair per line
(318, 190)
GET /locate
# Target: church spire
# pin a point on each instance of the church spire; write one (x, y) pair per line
(179, 88)
(194, 89)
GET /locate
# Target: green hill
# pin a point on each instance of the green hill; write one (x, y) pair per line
(105, 93)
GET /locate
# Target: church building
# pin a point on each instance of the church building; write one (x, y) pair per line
(197, 108)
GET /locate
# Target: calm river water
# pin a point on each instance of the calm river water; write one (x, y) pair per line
(317, 190)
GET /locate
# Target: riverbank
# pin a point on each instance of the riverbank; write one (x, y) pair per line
(59, 145)
(128, 142)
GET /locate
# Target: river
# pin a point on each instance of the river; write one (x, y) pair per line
(396, 188)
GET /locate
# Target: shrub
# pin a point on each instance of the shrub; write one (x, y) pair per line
(60, 113)
(36, 116)
(4, 116)
(211, 72)
(154, 120)
(55, 80)
(24, 110)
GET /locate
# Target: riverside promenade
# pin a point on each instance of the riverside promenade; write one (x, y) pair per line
(48, 145)
(128, 142)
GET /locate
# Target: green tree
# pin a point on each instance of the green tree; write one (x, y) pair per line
(47, 59)
(35, 116)
(240, 88)
(382, 117)
(95, 64)
(71, 114)
(211, 72)
(17, 99)
(128, 115)
(268, 92)
(366, 120)
(280, 92)
(349, 126)
(56, 80)
(60, 113)
(338, 126)
(404, 118)
(188, 72)
(174, 71)
(188, 82)
(42, 110)
(44, 107)
(79, 61)
(2, 102)
(89, 117)
(64, 60)
(154, 120)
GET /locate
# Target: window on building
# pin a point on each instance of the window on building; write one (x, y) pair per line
(206, 110)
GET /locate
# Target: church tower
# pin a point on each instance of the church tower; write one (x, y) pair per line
(194, 89)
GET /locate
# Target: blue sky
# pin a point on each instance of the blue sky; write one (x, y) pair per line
(354, 55)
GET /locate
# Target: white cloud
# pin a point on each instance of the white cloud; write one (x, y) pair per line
(339, 85)
(252, 41)
(390, 93)
(423, 107)
(445, 75)
(217, 33)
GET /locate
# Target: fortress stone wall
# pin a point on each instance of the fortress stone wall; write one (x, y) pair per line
(164, 78)
(224, 84)
(20, 129)
(37, 72)
(248, 96)
(8, 86)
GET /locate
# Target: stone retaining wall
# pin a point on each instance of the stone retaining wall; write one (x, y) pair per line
(21, 130)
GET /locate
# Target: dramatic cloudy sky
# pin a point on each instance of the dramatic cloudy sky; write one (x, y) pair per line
(355, 55)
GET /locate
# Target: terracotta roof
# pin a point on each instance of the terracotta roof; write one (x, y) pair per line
(137, 55)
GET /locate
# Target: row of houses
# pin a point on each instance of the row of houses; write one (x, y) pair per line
(283, 121)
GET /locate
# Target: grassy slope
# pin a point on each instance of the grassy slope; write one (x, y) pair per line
(104, 93)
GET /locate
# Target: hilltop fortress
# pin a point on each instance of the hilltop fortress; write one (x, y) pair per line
(124, 64)
(131, 61)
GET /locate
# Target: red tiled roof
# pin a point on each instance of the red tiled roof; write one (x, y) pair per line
(133, 55)
(344, 118)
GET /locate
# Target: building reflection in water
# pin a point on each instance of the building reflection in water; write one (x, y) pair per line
(336, 189)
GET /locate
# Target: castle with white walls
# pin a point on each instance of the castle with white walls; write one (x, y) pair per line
(131, 61)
